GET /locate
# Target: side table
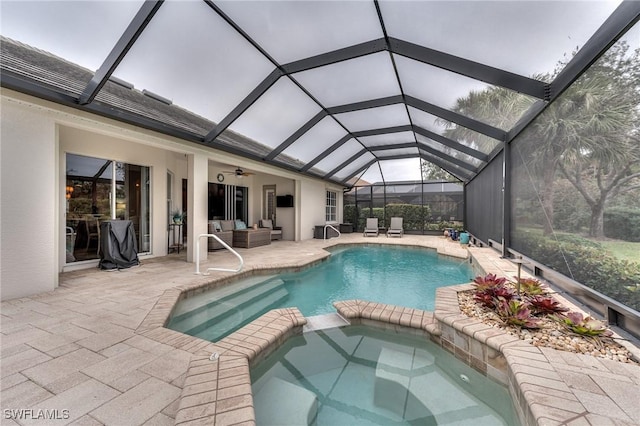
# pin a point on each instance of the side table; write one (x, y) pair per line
(174, 237)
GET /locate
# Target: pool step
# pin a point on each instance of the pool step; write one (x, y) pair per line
(259, 295)
(221, 326)
(279, 402)
(195, 303)
(323, 322)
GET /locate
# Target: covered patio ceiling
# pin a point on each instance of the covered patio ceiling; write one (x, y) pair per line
(334, 89)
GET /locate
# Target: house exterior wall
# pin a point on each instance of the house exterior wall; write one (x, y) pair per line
(312, 202)
(29, 201)
(35, 137)
(285, 216)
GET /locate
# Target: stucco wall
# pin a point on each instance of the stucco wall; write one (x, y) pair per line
(313, 200)
(28, 201)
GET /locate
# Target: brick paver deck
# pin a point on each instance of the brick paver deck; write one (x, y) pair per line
(94, 350)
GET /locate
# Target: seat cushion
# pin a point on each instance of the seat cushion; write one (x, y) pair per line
(227, 225)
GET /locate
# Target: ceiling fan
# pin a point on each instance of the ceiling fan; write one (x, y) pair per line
(239, 173)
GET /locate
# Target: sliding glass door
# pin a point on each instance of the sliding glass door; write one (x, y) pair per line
(101, 189)
(228, 202)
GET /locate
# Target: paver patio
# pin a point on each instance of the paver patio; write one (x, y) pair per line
(90, 351)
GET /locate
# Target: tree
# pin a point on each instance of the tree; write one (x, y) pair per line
(496, 106)
(608, 183)
(592, 126)
(604, 159)
(432, 172)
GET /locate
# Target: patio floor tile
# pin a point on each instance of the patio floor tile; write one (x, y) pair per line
(138, 404)
(58, 368)
(78, 400)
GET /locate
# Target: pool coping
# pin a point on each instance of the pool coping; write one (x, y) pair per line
(217, 387)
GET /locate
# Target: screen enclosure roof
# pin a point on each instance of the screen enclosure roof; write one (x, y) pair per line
(339, 90)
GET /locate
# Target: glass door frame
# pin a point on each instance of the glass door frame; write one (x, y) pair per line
(144, 213)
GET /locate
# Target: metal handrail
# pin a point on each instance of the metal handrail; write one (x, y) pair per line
(332, 227)
(225, 245)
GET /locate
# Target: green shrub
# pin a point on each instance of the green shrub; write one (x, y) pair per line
(587, 264)
(349, 214)
(414, 217)
(622, 223)
(442, 225)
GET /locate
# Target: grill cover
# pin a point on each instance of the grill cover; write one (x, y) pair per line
(118, 245)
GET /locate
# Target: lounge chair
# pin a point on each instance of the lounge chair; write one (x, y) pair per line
(372, 227)
(395, 228)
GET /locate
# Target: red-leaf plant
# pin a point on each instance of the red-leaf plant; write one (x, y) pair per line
(489, 280)
(585, 326)
(490, 288)
(542, 305)
(516, 312)
(531, 286)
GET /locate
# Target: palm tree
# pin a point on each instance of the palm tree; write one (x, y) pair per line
(593, 124)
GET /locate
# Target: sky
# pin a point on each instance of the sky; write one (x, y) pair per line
(191, 56)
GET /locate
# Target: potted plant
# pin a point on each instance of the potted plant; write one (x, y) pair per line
(178, 216)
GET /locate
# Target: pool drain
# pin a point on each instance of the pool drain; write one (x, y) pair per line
(464, 378)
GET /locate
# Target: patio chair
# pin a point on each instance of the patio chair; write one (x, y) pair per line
(395, 229)
(371, 229)
(276, 231)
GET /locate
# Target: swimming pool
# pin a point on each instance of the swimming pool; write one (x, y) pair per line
(359, 376)
(401, 276)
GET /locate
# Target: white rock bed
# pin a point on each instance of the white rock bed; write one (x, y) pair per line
(551, 333)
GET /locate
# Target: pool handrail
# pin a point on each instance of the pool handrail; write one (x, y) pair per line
(226, 246)
(332, 227)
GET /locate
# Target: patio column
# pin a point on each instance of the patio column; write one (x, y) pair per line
(197, 193)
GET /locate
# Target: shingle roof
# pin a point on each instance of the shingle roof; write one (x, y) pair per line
(48, 70)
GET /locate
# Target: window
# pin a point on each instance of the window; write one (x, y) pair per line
(332, 206)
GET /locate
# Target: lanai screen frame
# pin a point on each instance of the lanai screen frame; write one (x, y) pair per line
(452, 160)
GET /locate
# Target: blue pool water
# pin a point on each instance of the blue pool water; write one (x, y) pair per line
(363, 376)
(386, 274)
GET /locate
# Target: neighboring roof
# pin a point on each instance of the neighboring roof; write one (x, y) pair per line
(330, 89)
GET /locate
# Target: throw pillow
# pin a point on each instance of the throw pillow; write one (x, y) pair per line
(240, 224)
(216, 226)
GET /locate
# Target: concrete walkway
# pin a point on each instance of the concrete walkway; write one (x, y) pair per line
(86, 353)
